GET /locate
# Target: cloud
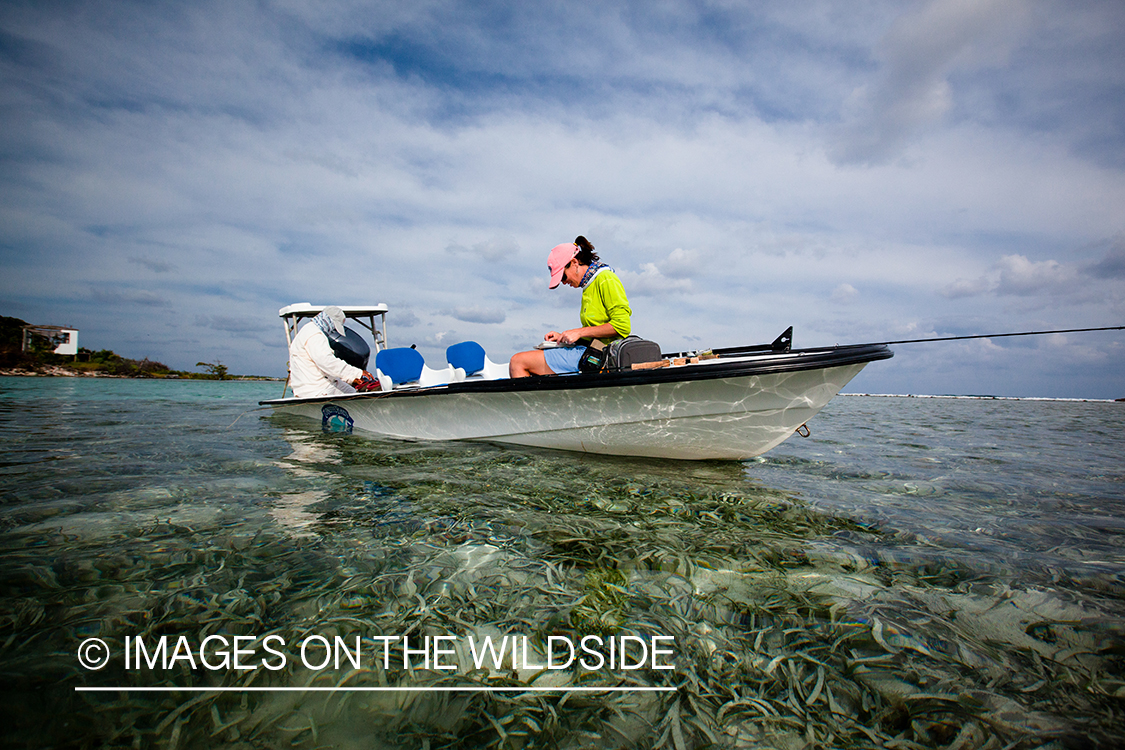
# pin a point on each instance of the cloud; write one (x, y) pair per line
(844, 294)
(156, 266)
(680, 262)
(490, 250)
(230, 324)
(117, 297)
(919, 53)
(1016, 275)
(438, 340)
(968, 288)
(1022, 277)
(486, 315)
(672, 275)
(405, 318)
(651, 281)
(1112, 266)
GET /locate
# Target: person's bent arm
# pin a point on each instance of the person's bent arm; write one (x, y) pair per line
(321, 353)
(569, 338)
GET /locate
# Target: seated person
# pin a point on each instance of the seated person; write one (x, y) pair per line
(604, 315)
(314, 369)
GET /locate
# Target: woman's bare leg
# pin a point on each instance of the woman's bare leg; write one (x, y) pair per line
(529, 363)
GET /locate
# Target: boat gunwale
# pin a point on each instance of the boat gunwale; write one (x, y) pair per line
(724, 366)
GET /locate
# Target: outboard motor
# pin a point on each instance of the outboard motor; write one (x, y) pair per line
(351, 348)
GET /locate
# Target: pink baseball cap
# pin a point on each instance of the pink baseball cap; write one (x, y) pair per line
(557, 260)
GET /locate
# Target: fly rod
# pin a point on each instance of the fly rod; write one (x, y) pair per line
(785, 340)
(1000, 335)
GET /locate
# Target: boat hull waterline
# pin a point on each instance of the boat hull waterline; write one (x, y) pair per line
(728, 410)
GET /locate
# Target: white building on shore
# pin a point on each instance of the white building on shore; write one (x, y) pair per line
(64, 339)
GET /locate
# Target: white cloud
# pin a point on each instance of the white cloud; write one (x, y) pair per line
(844, 294)
(1022, 277)
(485, 315)
(680, 262)
(968, 287)
(919, 52)
(650, 281)
(493, 250)
(1054, 282)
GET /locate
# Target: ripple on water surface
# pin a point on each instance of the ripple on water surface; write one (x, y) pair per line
(940, 574)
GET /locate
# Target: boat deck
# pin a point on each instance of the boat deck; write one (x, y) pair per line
(722, 366)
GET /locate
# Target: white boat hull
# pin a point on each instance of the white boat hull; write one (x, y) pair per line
(735, 417)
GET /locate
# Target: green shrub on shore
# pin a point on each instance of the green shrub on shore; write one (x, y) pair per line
(41, 359)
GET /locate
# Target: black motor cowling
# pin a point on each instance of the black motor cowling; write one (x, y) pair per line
(351, 348)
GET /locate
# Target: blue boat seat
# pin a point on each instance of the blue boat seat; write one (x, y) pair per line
(405, 367)
(401, 365)
(469, 359)
(468, 355)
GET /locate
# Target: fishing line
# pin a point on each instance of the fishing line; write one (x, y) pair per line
(243, 414)
(998, 335)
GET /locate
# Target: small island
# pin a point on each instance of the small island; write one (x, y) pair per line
(36, 358)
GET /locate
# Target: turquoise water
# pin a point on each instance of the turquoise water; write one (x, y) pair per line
(917, 573)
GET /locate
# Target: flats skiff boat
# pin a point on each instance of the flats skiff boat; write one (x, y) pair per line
(732, 403)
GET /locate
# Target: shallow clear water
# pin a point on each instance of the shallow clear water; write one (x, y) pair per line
(926, 572)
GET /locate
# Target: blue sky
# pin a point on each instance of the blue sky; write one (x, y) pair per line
(174, 173)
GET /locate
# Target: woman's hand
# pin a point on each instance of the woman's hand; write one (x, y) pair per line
(566, 338)
(571, 337)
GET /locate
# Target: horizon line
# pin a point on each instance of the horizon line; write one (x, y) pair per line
(982, 397)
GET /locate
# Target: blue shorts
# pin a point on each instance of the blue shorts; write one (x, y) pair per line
(563, 359)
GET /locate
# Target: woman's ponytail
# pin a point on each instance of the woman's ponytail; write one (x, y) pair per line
(586, 254)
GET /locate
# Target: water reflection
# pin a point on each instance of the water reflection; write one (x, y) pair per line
(294, 511)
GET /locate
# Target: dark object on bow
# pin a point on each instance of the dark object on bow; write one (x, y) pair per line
(351, 348)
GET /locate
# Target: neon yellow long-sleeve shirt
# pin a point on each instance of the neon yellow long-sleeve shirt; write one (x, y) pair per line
(604, 301)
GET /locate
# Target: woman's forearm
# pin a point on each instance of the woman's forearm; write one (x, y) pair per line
(605, 330)
(595, 332)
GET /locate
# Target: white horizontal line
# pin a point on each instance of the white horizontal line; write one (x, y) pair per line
(433, 689)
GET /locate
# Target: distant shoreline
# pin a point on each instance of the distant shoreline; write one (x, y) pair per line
(55, 371)
(985, 398)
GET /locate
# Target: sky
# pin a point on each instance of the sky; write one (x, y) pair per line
(174, 173)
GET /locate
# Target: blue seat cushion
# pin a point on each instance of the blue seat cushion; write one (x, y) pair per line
(401, 365)
(468, 355)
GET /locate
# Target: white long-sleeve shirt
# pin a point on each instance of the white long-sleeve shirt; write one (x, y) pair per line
(314, 370)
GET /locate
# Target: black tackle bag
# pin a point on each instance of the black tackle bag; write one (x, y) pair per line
(632, 350)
